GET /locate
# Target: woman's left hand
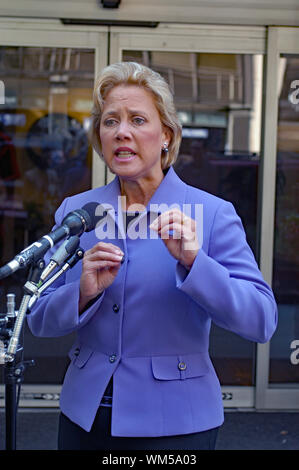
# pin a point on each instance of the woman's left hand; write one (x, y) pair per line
(183, 243)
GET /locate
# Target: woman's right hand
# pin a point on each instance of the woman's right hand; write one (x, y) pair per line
(100, 266)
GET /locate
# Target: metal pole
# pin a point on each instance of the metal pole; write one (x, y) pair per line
(10, 407)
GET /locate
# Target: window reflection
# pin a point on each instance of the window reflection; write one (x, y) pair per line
(57, 147)
(44, 157)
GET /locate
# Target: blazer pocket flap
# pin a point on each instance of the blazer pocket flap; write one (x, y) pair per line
(181, 366)
(80, 355)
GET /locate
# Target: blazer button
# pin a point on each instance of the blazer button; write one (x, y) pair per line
(112, 358)
(115, 308)
(182, 365)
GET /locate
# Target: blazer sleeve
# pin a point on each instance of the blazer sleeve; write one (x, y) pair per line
(56, 312)
(227, 282)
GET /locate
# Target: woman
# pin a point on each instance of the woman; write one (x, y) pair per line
(143, 301)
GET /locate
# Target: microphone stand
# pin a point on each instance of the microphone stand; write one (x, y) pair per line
(14, 370)
(10, 377)
(14, 366)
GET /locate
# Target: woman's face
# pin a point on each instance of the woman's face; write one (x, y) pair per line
(132, 134)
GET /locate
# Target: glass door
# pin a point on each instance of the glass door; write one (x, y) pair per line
(216, 76)
(278, 386)
(45, 156)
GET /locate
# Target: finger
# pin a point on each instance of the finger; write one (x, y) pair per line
(177, 231)
(174, 215)
(107, 247)
(172, 230)
(108, 264)
(102, 247)
(96, 265)
(186, 222)
(102, 255)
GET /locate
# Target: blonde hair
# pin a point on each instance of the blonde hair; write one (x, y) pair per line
(132, 73)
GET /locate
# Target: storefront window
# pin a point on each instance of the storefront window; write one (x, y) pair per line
(45, 156)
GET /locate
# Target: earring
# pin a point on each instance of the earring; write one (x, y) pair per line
(165, 147)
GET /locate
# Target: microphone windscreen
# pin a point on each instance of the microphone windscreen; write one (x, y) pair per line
(94, 214)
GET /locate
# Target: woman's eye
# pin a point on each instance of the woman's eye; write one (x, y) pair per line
(109, 122)
(138, 120)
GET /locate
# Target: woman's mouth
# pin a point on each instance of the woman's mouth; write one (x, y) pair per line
(124, 155)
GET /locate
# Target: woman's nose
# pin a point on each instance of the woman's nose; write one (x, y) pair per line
(123, 131)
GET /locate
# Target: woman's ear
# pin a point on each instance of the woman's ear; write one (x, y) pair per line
(166, 136)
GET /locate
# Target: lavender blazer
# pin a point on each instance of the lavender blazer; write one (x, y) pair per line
(150, 328)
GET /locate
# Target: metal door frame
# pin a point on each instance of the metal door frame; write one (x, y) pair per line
(280, 40)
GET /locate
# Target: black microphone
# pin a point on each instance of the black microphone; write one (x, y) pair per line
(66, 249)
(74, 223)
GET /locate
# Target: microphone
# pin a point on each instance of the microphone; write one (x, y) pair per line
(63, 253)
(74, 223)
(70, 263)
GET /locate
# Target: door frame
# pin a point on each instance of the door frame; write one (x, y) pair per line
(280, 40)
